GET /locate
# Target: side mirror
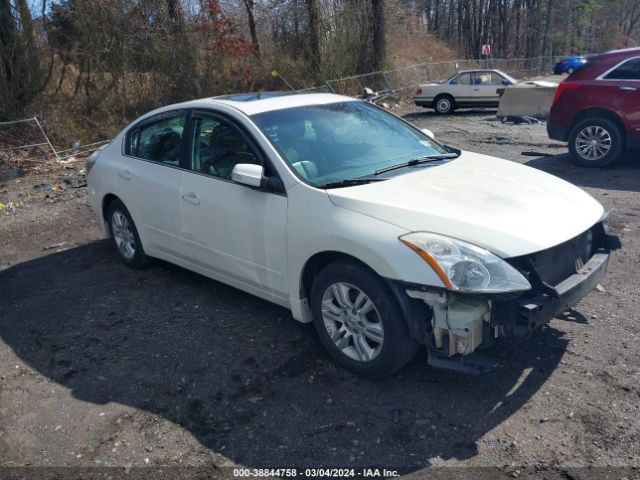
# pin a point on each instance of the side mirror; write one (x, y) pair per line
(428, 133)
(248, 174)
(506, 82)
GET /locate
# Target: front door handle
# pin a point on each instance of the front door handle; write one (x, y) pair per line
(191, 198)
(628, 89)
(125, 174)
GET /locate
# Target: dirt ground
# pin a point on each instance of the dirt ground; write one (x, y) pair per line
(101, 365)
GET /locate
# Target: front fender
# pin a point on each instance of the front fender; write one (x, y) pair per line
(336, 229)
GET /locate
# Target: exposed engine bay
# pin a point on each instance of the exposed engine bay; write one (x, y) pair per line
(460, 324)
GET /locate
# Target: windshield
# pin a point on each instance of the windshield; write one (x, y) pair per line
(343, 141)
(509, 77)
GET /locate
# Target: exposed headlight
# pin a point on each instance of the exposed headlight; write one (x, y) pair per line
(465, 267)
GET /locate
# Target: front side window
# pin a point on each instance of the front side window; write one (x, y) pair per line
(629, 70)
(159, 141)
(482, 78)
(343, 141)
(497, 79)
(487, 78)
(218, 147)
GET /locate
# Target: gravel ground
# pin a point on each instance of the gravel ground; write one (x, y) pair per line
(101, 365)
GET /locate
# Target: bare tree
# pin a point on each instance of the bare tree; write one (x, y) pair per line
(250, 6)
(379, 39)
(314, 35)
(21, 74)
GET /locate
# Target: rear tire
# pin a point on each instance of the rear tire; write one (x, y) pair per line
(125, 236)
(596, 142)
(444, 104)
(359, 321)
(571, 71)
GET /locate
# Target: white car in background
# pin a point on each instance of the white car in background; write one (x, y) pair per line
(468, 88)
(353, 219)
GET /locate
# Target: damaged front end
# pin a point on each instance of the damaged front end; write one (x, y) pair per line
(457, 324)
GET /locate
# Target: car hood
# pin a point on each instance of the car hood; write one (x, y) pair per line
(507, 208)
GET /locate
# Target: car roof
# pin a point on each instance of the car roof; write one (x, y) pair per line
(600, 64)
(617, 54)
(260, 102)
(482, 70)
(624, 50)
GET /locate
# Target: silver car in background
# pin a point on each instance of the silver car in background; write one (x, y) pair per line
(468, 88)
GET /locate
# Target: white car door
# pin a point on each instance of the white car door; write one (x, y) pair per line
(236, 232)
(149, 174)
(460, 88)
(485, 87)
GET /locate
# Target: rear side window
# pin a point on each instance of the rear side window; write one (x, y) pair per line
(464, 79)
(629, 70)
(159, 141)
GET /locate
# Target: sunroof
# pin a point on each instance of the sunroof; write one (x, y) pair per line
(250, 97)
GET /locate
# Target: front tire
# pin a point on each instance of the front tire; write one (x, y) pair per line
(359, 321)
(444, 104)
(125, 236)
(596, 142)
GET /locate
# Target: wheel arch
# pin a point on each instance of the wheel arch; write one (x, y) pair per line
(445, 94)
(320, 260)
(598, 113)
(107, 200)
(414, 311)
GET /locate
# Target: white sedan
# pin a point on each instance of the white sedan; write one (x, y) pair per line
(353, 219)
(468, 88)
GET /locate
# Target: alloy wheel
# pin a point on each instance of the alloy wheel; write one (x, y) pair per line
(352, 321)
(123, 235)
(593, 143)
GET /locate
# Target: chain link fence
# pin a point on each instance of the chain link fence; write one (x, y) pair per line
(24, 139)
(400, 82)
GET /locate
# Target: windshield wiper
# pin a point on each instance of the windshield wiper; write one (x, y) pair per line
(418, 161)
(351, 182)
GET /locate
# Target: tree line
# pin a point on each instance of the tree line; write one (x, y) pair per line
(88, 66)
(529, 28)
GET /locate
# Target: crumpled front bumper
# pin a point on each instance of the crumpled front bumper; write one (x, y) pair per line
(455, 325)
(541, 309)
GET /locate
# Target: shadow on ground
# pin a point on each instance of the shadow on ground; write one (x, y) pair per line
(465, 112)
(624, 175)
(240, 374)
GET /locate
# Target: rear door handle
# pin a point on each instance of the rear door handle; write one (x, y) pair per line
(126, 174)
(628, 89)
(191, 198)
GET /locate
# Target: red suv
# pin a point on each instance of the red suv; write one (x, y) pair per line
(597, 109)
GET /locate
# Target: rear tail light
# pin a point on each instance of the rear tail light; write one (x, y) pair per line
(418, 91)
(562, 87)
(91, 160)
(564, 62)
